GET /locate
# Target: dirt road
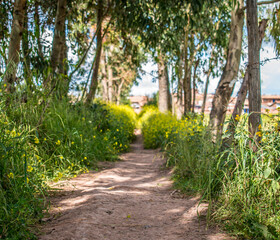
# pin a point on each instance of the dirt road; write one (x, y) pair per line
(131, 200)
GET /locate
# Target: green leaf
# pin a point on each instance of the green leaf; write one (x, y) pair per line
(267, 172)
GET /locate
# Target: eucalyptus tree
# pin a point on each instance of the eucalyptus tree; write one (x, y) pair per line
(227, 82)
(14, 44)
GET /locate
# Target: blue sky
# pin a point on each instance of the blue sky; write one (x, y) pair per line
(270, 76)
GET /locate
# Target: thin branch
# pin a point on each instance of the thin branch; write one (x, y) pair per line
(268, 2)
(263, 3)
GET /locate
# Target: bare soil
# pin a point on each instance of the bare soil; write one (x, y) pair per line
(131, 199)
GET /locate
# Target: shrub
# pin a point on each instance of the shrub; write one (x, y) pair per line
(40, 144)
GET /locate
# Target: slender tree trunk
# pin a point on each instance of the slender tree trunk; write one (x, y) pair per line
(207, 80)
(253, 68)
(25, 50)
(180, 100)
(194, 85)
(94, 79)
(239, 105)
(58, 46)
(119, 91)
(187, 79)
(104, 77)
(110, 75)
(228, 79)
(37, 29)
(14, 46)
(164, 101)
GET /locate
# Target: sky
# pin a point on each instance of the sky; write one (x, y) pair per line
(270, 77)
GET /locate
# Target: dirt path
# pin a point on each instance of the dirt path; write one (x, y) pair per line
(131, 200)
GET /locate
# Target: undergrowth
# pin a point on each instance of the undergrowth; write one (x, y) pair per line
(42, 142)
(241, 185)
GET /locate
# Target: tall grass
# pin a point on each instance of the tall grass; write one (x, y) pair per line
(241, 185)
(39, 144)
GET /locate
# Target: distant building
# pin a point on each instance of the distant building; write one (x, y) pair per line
(270, 103)
(137, 102)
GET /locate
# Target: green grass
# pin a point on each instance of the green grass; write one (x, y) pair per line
(242, 186)
(70, 139)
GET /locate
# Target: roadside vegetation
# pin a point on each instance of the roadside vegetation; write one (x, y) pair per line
(240, 184)
(70, 140)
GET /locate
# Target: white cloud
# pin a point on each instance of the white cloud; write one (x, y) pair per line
(270, 76)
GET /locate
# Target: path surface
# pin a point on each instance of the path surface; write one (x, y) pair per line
(131, 200)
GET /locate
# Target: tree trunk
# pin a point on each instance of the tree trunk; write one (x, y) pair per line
(187, 79)
(119, 91)
(14, 46)
(207, 80)
(164, 98)
(58, 48)
(194, 85)
(228, 79)
(253, 68)
(110, 75)
(25, 50)
(94, 79)
(180, 100)
(37, 29)
(104, 77)
(242, 94)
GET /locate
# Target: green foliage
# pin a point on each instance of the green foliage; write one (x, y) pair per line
(241, 185)
(70, 139)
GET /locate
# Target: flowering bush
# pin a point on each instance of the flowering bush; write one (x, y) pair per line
(70, 140)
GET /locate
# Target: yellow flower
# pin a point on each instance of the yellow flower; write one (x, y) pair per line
(37, 157)
(81, 135)
(36, 140)
(61, 157)
(259, 134)
(75, 176)
(13, 133)
(29, 169)
(83, 119)
(93, 136)
(260, 127)
(85, 158)
(60, 175)
(72, 143)
(6, 123)
(5, 85)
(45, 139)
(27, 180)
(237, 118)
(117, 130)
(10, 175)
(58, 142)
(23, 155)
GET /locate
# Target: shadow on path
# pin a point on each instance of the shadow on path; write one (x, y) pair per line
(131, 200)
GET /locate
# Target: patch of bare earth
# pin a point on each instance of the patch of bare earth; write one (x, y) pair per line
(131, 200)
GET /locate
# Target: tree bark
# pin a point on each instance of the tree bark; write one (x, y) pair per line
(25, 50)
(94, 79)
(207, 80)
(164, 101)
(14, 46)
(104, 78)
(253, 68)
(110, 74)
(179, 100)
(119, 91)
(194, 84)
(239, 105)
(228, 78)
(37, 29)
(58, 49)
(187, 79)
